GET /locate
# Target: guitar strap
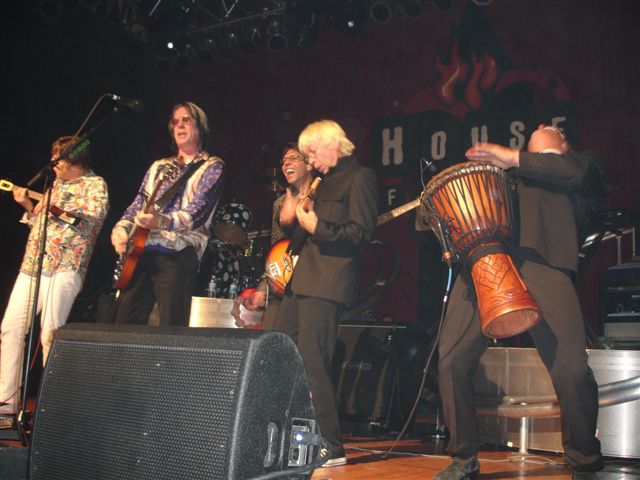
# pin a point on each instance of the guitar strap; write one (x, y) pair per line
(172, 190)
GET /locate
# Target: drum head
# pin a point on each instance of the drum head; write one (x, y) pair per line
(231, 223)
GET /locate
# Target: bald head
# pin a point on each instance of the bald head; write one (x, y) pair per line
(547, 139)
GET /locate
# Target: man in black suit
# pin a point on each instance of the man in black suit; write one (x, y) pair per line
(340, 222)
(552, 179)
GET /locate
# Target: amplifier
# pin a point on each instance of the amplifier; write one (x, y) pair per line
(620, 301)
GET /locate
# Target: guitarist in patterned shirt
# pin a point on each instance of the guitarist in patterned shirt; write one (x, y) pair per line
(178, 232)
(80, 196)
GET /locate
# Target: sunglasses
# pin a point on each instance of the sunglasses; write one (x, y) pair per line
(186, 119)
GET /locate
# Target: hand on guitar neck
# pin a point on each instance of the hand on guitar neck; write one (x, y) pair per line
(24, 197)
(307, 218)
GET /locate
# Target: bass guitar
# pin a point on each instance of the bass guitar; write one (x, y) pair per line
(66, 217)
(128, 261)
(282, 257)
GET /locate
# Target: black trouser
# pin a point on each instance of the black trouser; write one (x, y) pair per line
(560, 341)
(312, 323)
(169, 279)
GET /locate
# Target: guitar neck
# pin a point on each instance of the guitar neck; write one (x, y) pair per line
(396, 212)
(34, 195)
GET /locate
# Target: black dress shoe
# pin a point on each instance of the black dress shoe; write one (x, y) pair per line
(459, 471)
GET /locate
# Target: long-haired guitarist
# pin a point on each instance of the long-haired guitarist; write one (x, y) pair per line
(299, 175)
(81, 195)
(340, 222)
(164, 235)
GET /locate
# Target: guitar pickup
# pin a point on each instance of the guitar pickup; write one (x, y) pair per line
(274, 270)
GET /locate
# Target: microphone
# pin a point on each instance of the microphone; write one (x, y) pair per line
(130, 103)
(429, 164)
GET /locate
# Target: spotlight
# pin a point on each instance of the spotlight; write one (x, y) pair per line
(205, 51)
(276, 39)
(250, 37)
(348, 16)
(380, 11)
(411, 8)
(228, 47)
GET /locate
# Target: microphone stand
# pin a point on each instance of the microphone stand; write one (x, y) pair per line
(24, 416)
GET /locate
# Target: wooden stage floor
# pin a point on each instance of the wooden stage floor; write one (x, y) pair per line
(421, 456)
(420, 459)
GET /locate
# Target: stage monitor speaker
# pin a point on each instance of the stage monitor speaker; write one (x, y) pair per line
(139, 402)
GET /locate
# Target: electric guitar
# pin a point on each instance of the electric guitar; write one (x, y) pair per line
(283, 255)
(66, 217)
(282, 259)
(396, 212)
(128, 261)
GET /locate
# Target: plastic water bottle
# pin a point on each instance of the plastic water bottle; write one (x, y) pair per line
(211, 288)
(233, 290)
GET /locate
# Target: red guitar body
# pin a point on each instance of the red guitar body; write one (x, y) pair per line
(128, 262)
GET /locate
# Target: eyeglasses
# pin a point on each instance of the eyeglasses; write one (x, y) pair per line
(293, 158)
(186, 119)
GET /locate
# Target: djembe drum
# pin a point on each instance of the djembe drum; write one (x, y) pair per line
(469, 206)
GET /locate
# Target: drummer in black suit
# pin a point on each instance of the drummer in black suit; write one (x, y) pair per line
(553, 180)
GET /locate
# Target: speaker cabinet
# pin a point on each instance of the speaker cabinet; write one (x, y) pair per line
(139, 402)
(367, 364)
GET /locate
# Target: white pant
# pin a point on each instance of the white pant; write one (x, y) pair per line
(57, 294)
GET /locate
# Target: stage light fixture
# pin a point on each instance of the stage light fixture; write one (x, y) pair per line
(205, 51)
(381, 11)
(348, 16)
(277, 41)
(411, 8)
(250, 38)
(228, 47)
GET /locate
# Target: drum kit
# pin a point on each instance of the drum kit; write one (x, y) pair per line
(233, 261)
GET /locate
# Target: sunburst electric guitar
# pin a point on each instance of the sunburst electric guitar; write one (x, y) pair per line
(66, 217)
(283, 255)
(128, 261)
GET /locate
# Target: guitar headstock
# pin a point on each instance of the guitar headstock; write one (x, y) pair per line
(6, 185)
(171, 170)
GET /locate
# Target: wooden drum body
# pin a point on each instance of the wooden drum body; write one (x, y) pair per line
(469, 207)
